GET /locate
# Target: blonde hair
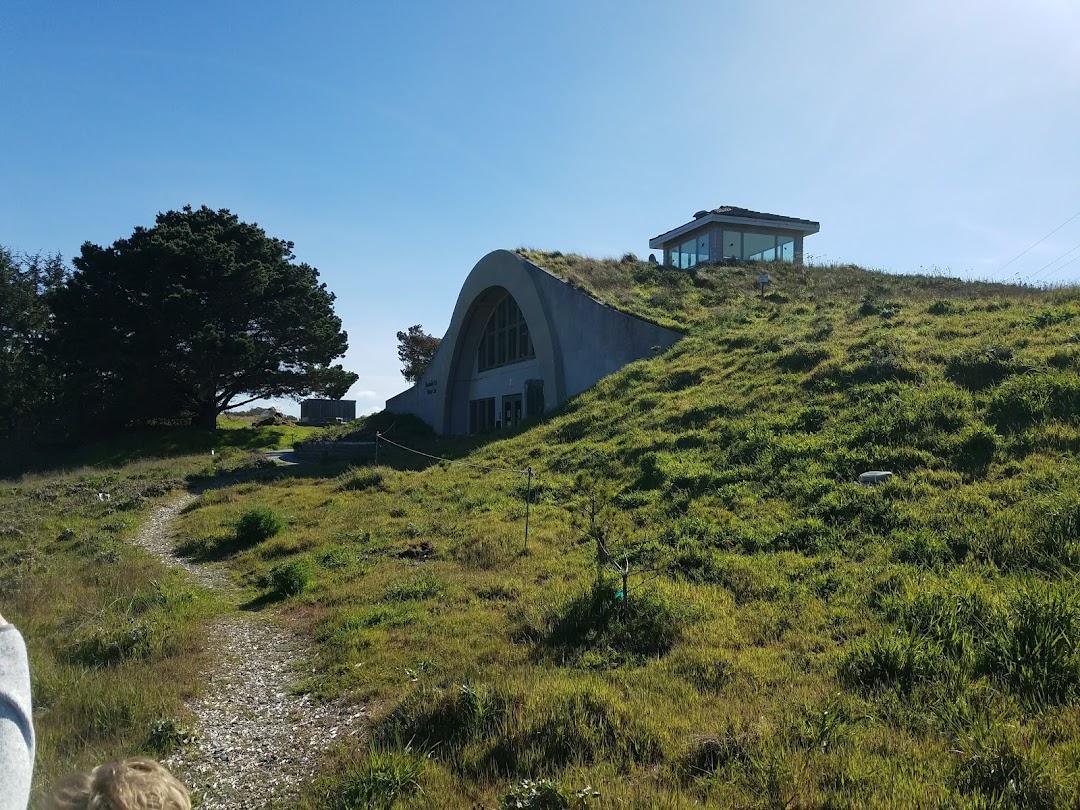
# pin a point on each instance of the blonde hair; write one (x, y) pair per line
(131, 784)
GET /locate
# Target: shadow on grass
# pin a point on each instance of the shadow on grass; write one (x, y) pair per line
(18, 458)
(262, 601)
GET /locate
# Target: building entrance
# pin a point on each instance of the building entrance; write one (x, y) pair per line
(511, 409)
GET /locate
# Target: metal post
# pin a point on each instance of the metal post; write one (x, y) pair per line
(376, 448)
(528, 498)
(626, 584)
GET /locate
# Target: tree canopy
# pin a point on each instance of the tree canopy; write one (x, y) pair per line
(415, 350)
(29, 388)
(195, 315)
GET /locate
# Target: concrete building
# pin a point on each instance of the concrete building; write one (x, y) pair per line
(521, 341)
(327, 411)
(734, 234)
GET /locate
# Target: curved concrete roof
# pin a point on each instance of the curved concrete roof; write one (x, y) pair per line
(577, 339)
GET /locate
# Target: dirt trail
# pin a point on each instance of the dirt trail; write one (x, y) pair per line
(256, 743)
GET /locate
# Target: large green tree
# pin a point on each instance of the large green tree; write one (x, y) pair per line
(196, 315)
(28, 381)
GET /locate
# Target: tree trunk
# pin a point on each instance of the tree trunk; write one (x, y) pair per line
(206, 417)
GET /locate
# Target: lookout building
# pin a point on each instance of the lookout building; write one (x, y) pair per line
(735, 234)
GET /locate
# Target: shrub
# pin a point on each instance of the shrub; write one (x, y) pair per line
(902, 659)
(624, 630)
(256, 525)
(292, 577)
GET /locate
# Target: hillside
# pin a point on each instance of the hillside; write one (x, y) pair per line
(789, 638)
(794, 639)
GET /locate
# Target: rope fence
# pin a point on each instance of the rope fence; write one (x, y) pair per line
(527, 472)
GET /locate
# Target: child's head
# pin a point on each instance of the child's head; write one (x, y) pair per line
(133, 784)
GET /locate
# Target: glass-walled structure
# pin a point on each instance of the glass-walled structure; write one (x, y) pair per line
(734, 234)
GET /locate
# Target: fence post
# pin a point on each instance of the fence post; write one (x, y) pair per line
(376, 448)
(528, 499)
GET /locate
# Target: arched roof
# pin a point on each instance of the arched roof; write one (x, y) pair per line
(498, 272)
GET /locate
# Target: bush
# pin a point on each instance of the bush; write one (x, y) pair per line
(620, 630)
(292, 577)
(256, 525)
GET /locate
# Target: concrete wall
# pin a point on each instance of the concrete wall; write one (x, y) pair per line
(577, 339)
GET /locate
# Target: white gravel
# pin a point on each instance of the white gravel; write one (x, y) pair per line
(255, 743)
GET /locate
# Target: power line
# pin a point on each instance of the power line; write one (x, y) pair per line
(1036, 274)
(1025, 250)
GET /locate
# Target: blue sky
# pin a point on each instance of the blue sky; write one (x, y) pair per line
(396, 144)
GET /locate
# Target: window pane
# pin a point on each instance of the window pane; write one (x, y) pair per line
(703, 248)
(512, 343)
(732, 245)
(756, 244)
(785, 250)
(689, 254)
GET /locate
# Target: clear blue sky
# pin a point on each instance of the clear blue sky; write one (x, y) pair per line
(397, 143)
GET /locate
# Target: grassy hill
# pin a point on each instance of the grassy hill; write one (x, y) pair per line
(788, 638)
(793, 639)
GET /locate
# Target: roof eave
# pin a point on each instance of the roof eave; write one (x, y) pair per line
(803, 226)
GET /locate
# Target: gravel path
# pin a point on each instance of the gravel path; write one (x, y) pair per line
(256, 743)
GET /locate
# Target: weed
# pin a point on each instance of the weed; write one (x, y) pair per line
(422, 586)
(895, 659)
(545, 794)
(387, 776)
(168, 734)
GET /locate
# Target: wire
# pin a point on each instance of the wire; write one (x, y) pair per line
(379, 437)
(1038, 272)
(1025, 250)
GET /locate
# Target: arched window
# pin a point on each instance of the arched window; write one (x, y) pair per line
(506, 338)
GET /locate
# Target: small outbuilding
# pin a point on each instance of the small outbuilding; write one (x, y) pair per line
(327, 411)
(734, 234)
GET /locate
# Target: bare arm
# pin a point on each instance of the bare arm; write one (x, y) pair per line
(16, 720)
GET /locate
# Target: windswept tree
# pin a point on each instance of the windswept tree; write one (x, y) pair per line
(415, 350)
(196, 315)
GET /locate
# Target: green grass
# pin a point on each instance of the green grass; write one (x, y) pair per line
(115, 638)
(790, 637)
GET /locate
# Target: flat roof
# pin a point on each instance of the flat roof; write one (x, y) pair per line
(733, 215)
